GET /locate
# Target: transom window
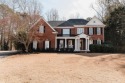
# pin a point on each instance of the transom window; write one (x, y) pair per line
(80, 30)
(66, 31)
(98, 31)
(90, 31)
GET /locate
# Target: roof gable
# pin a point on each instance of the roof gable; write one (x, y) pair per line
(95, 21)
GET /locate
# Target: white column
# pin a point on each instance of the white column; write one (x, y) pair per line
(65, 43)
(78, 41)
(55, 43)
(86, 44)
(76, 45)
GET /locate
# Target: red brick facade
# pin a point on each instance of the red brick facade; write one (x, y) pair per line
(49, 34)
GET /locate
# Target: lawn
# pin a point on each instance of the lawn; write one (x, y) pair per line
(63, 68)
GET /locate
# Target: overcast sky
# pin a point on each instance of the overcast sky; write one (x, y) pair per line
(68, 8)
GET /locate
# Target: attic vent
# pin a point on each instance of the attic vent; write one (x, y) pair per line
(94, 21)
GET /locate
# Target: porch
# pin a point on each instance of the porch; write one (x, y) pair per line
(77, 43)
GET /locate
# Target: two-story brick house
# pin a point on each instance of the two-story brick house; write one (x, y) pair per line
(73, 33)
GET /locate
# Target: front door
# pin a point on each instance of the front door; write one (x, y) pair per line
(82, 44)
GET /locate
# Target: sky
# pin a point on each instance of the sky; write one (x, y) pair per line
(69, 8)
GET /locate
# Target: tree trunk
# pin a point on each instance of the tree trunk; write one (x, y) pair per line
(26, 48)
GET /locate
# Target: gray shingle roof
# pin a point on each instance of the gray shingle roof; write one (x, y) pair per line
(55, 23)
(72, 22)
(68, 23)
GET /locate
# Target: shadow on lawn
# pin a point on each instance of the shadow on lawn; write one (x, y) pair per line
(92, 54)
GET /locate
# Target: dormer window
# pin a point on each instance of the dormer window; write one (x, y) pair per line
(41, 29)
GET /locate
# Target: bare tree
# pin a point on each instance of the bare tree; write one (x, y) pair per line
(25, 14)
(104, 7)
(52, 15)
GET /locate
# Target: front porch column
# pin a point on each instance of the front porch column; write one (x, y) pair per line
(65, 43)
(55, 43)
(78, 42)
(86, 44)
(76, 45)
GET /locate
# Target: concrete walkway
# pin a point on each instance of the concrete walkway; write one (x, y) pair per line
(6, 53)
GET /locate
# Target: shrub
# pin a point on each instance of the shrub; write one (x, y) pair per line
(102, 48)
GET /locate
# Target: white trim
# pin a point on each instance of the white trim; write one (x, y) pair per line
(103, 26)
(48, 24)
(66, 27)
(65, 37)
(35, 22)
(55, 32)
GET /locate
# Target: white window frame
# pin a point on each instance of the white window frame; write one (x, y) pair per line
(66, 31)
(47, 44)
(99, 41)
(41, 29)
(90, 31)
(80, 30)
(98, 31)
(35, 44)
(90, 41)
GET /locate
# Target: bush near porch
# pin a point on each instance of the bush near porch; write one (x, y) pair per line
(102, 48)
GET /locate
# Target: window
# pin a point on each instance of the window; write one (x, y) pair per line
(98, 41)
(90, 31)
(90, 41)
(98, 31)
(66, 31)
(46, 44)
(34, 44)
(70, 44)
(41, 29)
(80, 30)
(61, 45)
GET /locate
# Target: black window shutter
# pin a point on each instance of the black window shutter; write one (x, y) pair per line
(61, 32)
(101, 41)
(49, 44)
(44, 29)
(101, 30)
(96, 31)
(93, 30)
(88, 31)
(70, 32)
(43, 44)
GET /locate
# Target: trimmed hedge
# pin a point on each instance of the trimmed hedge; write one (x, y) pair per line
(102, 48)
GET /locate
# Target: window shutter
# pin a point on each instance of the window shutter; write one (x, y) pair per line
(44, 28)
(101, 41)
(61, 32)
(43, 44)
(95, 31)
(49, 44)
(88, 31)
(70, 32)
(101, 30)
